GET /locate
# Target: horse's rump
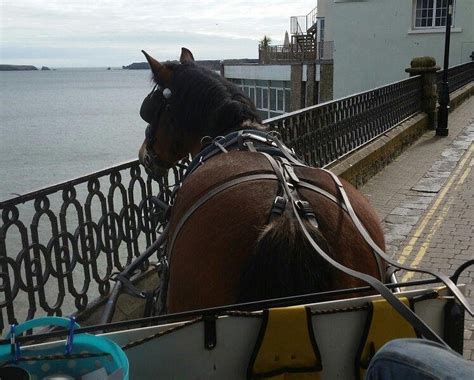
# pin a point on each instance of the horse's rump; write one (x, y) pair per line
(224, 249)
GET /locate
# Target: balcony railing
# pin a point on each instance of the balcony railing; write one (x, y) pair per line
(303, 24)
(294, 53)
(59, 246)
(311, 19)
(297, 25)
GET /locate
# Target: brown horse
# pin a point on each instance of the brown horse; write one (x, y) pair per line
(232, 234)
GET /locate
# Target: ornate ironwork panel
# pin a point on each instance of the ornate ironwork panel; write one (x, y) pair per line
(59, 246)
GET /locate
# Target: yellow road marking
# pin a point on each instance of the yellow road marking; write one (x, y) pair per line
(405, 254)
(426, 243)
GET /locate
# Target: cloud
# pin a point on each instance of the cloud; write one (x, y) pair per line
(112, 33)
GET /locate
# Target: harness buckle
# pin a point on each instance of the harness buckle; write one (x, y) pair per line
(306, 211)
(278, 207)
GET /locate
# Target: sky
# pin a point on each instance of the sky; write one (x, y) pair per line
(103, 33)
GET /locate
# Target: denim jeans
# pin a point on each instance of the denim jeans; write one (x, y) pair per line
(418, 359)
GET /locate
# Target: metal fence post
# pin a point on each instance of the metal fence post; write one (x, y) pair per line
(427, 68)
(443, 112)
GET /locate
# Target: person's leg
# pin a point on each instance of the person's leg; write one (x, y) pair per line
(418, 359)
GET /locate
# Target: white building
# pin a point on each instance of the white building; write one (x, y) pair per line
(286, 77)
(375, 40)
(352, 46)
(268, 85)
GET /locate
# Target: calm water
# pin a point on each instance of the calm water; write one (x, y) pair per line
(58, 125)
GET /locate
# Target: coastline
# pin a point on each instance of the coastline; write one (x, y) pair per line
(17, 68)
(4, 67)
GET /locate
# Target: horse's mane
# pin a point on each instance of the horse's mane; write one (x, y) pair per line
(204, 102)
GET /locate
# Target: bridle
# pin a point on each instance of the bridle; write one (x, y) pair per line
(153, 106)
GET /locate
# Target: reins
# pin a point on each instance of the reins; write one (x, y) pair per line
(403, 310)
(281, 160)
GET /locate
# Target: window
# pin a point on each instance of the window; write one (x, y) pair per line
(431, 13)
(321, 29)
(271, 98)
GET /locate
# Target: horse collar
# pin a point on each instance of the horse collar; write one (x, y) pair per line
(245, 140)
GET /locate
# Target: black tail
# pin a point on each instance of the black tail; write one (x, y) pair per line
(284, 264)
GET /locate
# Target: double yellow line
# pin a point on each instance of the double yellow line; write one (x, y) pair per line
(458, 178)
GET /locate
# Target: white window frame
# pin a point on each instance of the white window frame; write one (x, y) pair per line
(433, 17)
(265, 108)
(279, 93)
(322, 29)
(247, 90)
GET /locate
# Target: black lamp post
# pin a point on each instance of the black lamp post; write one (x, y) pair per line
(442, 129)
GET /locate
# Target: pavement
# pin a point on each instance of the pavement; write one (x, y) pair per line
(425, 199)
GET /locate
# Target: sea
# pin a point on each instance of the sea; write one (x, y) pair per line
(61, 124)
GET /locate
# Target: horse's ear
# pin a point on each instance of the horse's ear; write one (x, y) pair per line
(186, 56)
(161, 73)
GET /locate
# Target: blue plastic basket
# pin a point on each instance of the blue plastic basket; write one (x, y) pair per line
(113, 359)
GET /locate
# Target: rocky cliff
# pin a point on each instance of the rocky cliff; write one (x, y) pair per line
(212, 64)
(17, 68)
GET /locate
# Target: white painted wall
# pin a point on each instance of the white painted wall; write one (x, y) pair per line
(262, 72)
(259, 72)
(374, 41)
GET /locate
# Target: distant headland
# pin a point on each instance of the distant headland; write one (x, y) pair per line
(17, 68)
(21, 68)
(212, 64)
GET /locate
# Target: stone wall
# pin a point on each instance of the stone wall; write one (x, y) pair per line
(297, 98)
(359, 166)
(311, 87)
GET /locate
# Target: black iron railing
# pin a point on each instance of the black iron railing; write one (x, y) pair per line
(327, 131)
(59, 246)
(295, 52)
(458, 76)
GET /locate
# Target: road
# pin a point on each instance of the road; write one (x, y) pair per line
(425, 199)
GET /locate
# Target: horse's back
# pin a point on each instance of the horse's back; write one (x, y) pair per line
(214, 232)
(221, 212)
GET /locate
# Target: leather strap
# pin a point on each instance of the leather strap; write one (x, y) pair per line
(403, 310)
(209, 195)
(440, 276)
(266, 143)
(411, 317)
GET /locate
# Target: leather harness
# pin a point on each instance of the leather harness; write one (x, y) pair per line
(282, 161)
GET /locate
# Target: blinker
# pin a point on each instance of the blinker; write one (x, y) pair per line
(153, 103)
(150, 106)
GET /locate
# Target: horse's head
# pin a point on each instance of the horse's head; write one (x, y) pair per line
(188, 103)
